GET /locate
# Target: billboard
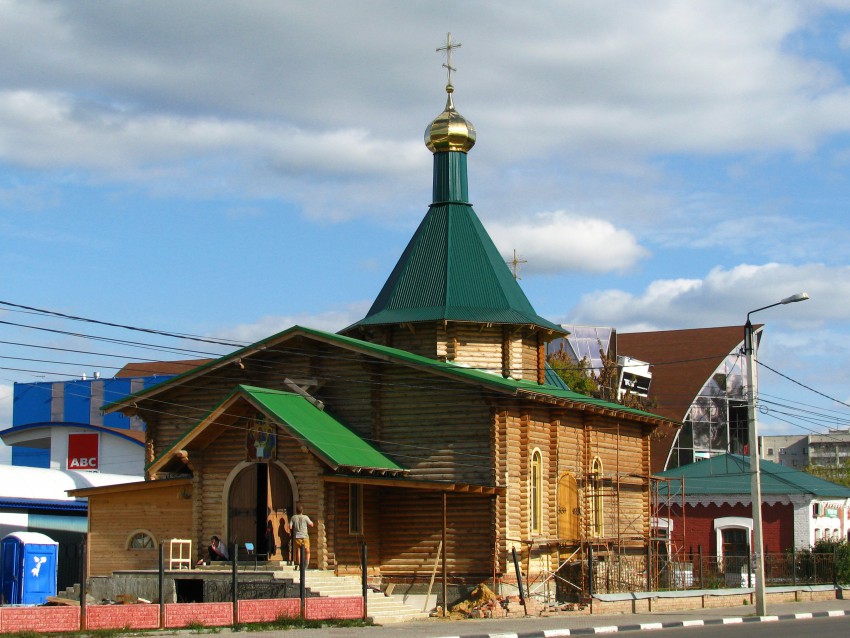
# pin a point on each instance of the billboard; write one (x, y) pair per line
(83, 451)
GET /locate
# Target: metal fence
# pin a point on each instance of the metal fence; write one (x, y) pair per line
(612, 574)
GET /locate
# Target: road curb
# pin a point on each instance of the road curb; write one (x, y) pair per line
(677, 624)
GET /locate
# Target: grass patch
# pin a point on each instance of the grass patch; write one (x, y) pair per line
(284, 623)
(197, 627)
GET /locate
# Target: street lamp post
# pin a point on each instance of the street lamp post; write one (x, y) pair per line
(752, 440)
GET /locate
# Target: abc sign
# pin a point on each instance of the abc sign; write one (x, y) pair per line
(83, 463)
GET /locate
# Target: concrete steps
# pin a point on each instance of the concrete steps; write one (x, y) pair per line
(382, 609)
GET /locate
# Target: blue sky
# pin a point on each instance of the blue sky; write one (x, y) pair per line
(229, 169)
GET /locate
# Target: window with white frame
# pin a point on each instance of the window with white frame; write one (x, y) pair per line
(728, 539)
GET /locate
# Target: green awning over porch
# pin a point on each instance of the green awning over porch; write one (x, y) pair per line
(326, 436)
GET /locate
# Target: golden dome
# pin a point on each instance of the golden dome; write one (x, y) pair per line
(450, 131)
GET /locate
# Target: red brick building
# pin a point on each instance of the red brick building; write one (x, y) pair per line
(707, 506)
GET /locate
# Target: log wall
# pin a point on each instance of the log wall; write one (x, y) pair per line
(411, 530)
(419, 338)
(568, 441)
(347, 546)
(165, 512)
(437, 428)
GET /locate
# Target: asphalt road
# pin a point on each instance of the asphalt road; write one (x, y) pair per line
(820, 627)
(784, 620)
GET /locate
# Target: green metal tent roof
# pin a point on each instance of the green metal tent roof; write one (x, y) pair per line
(730, 474)
(451, 270)
(326, 436)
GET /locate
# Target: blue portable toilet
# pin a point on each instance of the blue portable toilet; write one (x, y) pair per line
(28, 568)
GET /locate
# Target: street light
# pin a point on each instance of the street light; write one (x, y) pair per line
(752, 439)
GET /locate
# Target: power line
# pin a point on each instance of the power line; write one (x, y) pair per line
(803, 385)
(163, 333)
(123, 357)
(125, 342)
(264, 362)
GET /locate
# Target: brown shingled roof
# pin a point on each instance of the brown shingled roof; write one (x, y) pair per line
(681, 362)
(155, 368)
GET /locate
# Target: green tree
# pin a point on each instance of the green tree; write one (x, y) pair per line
(601, 384)
(839, 474)
(577, 375)
(841, 551)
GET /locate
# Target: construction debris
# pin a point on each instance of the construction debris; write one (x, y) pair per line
(483, 603)
(479, 604)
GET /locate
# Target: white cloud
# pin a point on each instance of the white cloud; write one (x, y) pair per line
(112, 140)
(805, 342)
(722, 297)
(147, 91)
(560, 241)
(330, 321)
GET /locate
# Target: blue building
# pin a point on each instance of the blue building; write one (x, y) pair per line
(62, 441)
(60, 425)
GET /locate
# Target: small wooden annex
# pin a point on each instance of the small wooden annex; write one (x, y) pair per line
(434, 415)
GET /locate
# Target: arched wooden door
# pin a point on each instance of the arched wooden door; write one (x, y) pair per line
(258, 497)
(569, 512)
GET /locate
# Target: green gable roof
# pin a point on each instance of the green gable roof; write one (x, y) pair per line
(730, 474)
(326, 436)
(296, 417)
(451, 270)
(495, 381)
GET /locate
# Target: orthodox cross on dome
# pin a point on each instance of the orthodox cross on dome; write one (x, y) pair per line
(448, 49)
(515, 263)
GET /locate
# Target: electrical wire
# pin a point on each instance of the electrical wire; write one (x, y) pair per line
(163, 333)
(263, 361)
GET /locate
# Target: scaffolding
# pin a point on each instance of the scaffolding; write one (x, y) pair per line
(571, 569)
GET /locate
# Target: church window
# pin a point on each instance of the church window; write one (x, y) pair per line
(597, 525)
(536, 491)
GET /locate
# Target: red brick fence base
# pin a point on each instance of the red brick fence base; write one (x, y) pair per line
(146, 616)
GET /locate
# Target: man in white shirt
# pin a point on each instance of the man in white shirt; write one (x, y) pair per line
(298, 525)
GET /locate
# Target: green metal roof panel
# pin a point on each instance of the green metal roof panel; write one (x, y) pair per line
(730, 474)
(324, 434)
(554, 380)
(451, 270)
(470, 374)
(480, 376)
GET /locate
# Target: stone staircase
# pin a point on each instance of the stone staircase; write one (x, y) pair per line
(382, 609)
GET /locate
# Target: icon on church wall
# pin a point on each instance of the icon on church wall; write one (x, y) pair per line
(261, 441)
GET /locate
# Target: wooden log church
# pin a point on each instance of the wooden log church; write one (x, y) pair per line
(432, 418)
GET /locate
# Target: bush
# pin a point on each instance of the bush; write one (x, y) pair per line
(841, 551)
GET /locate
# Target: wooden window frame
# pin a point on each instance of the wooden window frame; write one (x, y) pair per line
(355, 509)
(536, 492)
(137, 534)
(597, 499)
